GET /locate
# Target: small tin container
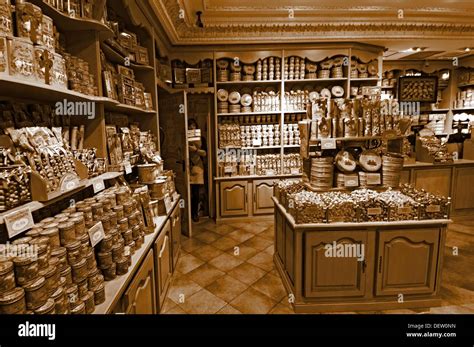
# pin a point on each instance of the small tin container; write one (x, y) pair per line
(110, 272)
(123, 225)
(26, 269)
(88, 301)
(112, 217)
(36, 293)
(115, 236)
(128, 236)
(79, 271)
(53, 235)
(72, 294)
(106, 244)
(90, 259)
(118, 211)
(22, 241)
(106, 205)
(128, 208)
(106, 224)
(13, 302)
(122, 266)
(61, 254)
(83, 287)
(79, 226)
(67, 233)
(136, 232)
(121, 196)
(104, 259)
(97, 211)
(93, 278)
(117, 252)
(7, 276)
(61, 304)
(43, 257)
(87, 211)
(67, 274)
(52, 279)
(48, 308)
(99, 294)
(79, 309)
(74, 252)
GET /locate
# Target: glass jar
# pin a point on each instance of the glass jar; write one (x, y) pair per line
(121, 196)
(79, 271)
(117, 252)
(7, 276)
(93, 278)
(13, 302)
(26, 270)
(67, 274)
(122, 266)
(106, 205)
(115, 236)
(104, 259)
(72, 294)
(53, 235)
(128, 208)
(97, 211)
(118, 211)
(133, 218)
(87, 211)
(60, 301)
(61, 254)
(106, 244)
(128, 236)
(112, 217)
(109, 272)
(74, 252)
(90, 259)
(79, 309)
(88, 301)
(106, 224)
(43, 257)
(48, 308)
(136, 232)
(83, 287)
(67, 233)
(99, 294)
(123, 225)
(36, 293)
(52, 279)
(79, 226)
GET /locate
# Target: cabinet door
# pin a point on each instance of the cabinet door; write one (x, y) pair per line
(176, 233)
(335, 273)
(464, 188)
(437, 181)
(262, 197)
(140, 295)
(163, 262)
(234, 198)
(407, 261)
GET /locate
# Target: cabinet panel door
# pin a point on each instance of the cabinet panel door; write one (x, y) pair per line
(280, 235)
(163, 262)
(335, 273)
(176, 233)
(140, 295)
(234, 198)
(407, 261)
(437, 181)
(464, 188)
(262, 197)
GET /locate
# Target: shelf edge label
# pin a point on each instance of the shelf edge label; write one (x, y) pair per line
(96, 234)
(18, 222)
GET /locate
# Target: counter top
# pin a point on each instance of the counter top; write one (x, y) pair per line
(340, 225)
(115, 288)
(455, 163)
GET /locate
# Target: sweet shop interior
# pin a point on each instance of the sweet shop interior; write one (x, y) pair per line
(212, 157)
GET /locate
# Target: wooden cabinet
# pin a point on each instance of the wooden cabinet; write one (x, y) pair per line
(407, 261)
(437, 181)
(262, 196)
(140, 295)
(405, 177)
(175, 220)
(163, 263)
(463, 188)
(234, 198)
(329, 274)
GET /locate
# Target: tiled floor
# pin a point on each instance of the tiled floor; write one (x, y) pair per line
(227, 268)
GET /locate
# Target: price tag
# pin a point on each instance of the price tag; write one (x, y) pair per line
(433, 208)
(256, 143)
(270, 172)
(69, 182)
(98, 185)
(295, 171)
(19, 221)
(228, 169)
(373, 179)
(351, 181)
(168, 204)
(373, 211)
(96, 234)
(404, 210)
(127, 167)
(328, 144)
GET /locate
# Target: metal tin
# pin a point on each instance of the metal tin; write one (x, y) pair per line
(52, 279)
(106, 244)
(7, 276)
(43, 257)
(36, 293)
(26, 269)
(123, 225)
(67, 274)
(79, 309)
(13, 302)
(61, 304)
(109, 272)
(67, 233)
(89, 303)
(79, 226)
(61, 254)
(99, 294)
(53, 235)
(79, 271)
(74, 252)
(104, 259)
(83, 287)
(48, 308)
(147, 172)
(90, 259)
(118, 211)
(72, 294)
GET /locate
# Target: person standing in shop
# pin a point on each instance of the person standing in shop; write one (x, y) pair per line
(197, 151)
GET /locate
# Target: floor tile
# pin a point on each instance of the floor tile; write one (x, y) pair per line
(202, 302)
(258, 242)
(247, 273)
(252, 301)
(206, 236)
(225, 243)
(271, 286)
(220, 228)
(270, 250)
(450, 310)
(191, 244)
(206, 252)
(227, 288)
(240, 235)
(188, 263)
(205, 275)
(263, 260)
(243, 252)
(268, 234)
(228, 309)
(225, 262)
(182, 288)
(281, 309)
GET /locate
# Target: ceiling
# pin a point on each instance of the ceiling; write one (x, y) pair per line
(443, 28)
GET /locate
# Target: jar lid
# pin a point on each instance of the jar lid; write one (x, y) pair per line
(66, 225)
(58, 293)
(53, 261)
(77, 220)
(6, 267)
(50, 271)
(47, 220)
(40, 240)
(22, 240)
(65, 271)
(99, 288)
(22, 261)
(62, 215)
(79, 264)
(47, 308)
(72, 289)
(96, 205)
(79, 308)
(77, 215)
(73, 246)
(12, 296)
(88, 296)
(35, 284)
(49, 232)
(58, 252)
(54, 224)
(85, 209)
(113, 266)
(35, 232)
(122, 260)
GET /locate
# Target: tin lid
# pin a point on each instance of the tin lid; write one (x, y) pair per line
(77, 215)
(79, 264)
(72, 289)
(66, 225)
(47, 308)
(47, 220)
(22, 240)
(6, 267)
(73, 246)
(22, 261)
(58, 252)
(79, 308)
(77, 220)
(40, 240)
(35, 232)
(62, 215)
(12, 296)
(58, 294)
(35, 284)
(53, 261)
(49, 232)
(53, 224)
(51, 271)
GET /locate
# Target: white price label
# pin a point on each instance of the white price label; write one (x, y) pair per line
(98, 185)
(270, 172)
(96, 234)
(228, 169)
(328, 144)
(295, 171)
(256, 143)
(127, 167)
(351, 181)
(19, 221)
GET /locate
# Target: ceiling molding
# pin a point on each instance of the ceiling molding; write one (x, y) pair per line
(349, 23)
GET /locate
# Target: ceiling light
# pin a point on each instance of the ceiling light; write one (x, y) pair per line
(467, 49)
(445, 76)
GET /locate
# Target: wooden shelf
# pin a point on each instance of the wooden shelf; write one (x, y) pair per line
(248, 82)
(235, 178)
(36, 205)
(112, 105)
(464, 85)
(434, 111)
(317, 80)
(66, 23)
(115, 57)
(387, 87)
(298, 111)
(368, 79)
(249, 113)
(363, 138)
(292, 146)
(463, 109)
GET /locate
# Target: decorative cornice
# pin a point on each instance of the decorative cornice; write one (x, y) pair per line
(181, 32)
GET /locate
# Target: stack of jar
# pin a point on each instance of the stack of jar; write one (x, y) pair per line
(291, 134)
(79, 76)
(268, 69)
(294, 68)
(266, 101)
(229, 135)
(260, 135)
(296, 100)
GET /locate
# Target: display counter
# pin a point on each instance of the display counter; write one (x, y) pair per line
(399, 264)
(453, 179)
